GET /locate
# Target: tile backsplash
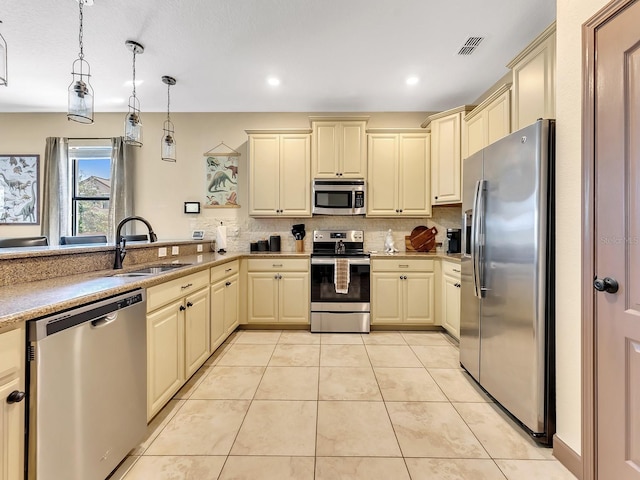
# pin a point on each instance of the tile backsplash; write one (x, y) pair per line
(242, 231)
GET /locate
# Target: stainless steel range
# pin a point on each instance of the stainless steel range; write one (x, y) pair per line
(338, 305)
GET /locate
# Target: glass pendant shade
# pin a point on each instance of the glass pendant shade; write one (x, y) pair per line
(4, 77)
(80, 94)
(168, 142)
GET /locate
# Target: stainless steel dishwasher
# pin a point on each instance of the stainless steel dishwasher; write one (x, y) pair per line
(86, 388)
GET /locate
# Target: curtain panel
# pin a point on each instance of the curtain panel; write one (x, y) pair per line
(122, 182)
(56, 204)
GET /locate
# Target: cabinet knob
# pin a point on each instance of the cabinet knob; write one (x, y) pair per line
(182, 308)
(435, 198)
(189, 304)
(15, 397)
(227, 284)
(401, 210)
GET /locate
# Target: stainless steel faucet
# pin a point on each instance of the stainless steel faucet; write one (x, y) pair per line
(121, 243)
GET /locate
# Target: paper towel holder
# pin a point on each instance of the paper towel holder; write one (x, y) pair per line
(191, 207)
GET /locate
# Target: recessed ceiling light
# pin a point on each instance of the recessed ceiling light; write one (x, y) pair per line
(412, 80)
(273, 81)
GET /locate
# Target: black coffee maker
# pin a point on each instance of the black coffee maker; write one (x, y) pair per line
(453, 234)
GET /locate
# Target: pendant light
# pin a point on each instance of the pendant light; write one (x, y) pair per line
(168, 145)
(80, 91)
(132, 122)
(4, 77)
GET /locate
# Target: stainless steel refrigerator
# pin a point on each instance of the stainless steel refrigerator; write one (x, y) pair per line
(507, 311)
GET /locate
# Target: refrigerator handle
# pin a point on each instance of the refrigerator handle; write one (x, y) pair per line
(474, 238)
(479, 245)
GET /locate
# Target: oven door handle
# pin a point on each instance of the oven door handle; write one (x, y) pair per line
(332, 261)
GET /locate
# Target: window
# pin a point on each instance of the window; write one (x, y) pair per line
(90, 170)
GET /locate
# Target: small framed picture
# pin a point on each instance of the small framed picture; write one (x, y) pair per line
(191, 207)
(197, 234)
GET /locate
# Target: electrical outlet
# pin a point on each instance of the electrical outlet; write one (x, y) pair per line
(175, 250)
(162, 252)
(199, 248)
(199, 259)
(233, 231)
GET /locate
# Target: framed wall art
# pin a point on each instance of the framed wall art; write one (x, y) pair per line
(19, 177)
(221, 189)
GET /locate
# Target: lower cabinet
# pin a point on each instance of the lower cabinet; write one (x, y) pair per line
(224, 302)
(12, 404)
(451, 298)
(278, 291)
(177, 336)
(403, 291)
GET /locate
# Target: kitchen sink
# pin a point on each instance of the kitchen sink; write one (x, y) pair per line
(152, 270)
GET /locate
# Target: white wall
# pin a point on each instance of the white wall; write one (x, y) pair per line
(571, 15)
(161, 188)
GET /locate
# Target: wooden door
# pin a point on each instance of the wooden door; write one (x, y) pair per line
(414, 175)
(446, 155)
(293, 301)
(353, 151)
(386, 296)
(325, 149)
(617, 245)
(295, 175)
(262, 295)
(217, 314)
(12, 371)
(451, 304)
(196, 331)
(383, 175)
(264, 174)
(418, 297)
(231, 304)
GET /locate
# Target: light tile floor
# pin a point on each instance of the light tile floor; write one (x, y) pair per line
(295, 405)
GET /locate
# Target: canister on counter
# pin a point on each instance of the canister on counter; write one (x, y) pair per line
(263, 245)
(274, 243)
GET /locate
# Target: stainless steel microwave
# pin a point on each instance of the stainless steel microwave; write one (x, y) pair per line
(339, 196)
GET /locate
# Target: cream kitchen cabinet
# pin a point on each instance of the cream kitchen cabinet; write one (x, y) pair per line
(12, 409)
(338, 147)
(177, 335)
(403, 291)
(399, 173)
(534, 80)
(488, 122)
(278, 291)
(446, 155)
(279, 173)
(450, 306)
(224, 302)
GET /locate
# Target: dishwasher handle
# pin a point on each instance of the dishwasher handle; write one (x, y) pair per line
(104, 321)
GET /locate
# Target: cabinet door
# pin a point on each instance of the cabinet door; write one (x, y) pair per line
(386, 297)
(446, 159)
(262, 296)
(534, 85)
(293, 298)
(231, 305)
(217, 314)
(326, 150)
(415, 175)
(451, 305)
(12, 414)
(498, 115)
(165, 355)
(382, 190)
(418, 298)
(295, 175)
(476, 133)
(196, 331)
(353, 152)
(264, 174)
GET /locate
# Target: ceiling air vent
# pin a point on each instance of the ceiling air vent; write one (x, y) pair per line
(470, 45)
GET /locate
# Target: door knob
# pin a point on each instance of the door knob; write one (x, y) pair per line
(15, 397)
(606, 284)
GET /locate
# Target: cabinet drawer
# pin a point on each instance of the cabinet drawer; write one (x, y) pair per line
(11, 352)
(174, 289)
(222, 271)
(398, 265)
(451, 268)
(278, 265)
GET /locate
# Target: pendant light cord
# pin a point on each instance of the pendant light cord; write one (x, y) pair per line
(168, 101)
(81, 54)
(134, 72)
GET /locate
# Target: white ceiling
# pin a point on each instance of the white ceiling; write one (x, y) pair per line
(331, 55)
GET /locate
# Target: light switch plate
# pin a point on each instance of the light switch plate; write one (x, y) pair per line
(198, 248)
(175, 250)
(162, 252)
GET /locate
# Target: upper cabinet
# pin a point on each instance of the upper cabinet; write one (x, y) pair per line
(279, 173)
(534, 80)
(338, 147)
(488, 122)
(399, 173)
(446, 155)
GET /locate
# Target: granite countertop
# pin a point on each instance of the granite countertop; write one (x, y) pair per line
(27, 301)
